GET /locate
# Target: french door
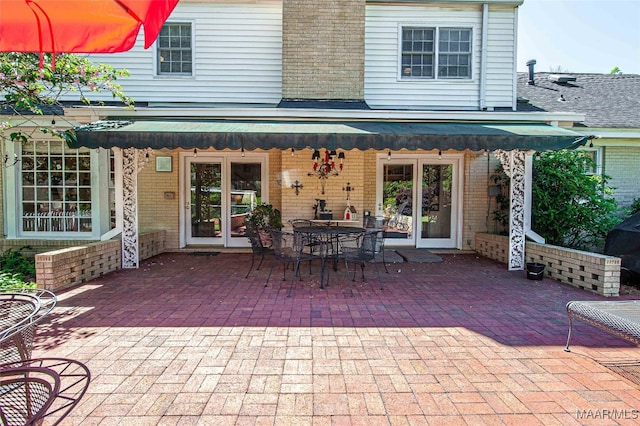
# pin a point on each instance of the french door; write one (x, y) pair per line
(218, 192)
(419, 196)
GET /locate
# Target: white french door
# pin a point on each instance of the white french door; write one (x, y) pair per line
(217, 192)
(420, 197)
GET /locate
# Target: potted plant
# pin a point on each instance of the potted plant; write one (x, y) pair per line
(265, 216)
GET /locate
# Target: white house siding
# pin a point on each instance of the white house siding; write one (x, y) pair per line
(500, 84)
(238, 57)
(621, 164)
(384, 89)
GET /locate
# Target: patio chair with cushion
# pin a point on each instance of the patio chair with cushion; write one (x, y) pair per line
(360, 252)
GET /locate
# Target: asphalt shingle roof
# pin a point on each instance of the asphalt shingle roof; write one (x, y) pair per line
(607, 100)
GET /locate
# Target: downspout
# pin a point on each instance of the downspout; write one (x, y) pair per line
(483, 57)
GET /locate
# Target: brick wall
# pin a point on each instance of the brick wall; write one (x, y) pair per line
(589, 271)
(477, 205)
(59, 269)
(301, 205)
(323, 49)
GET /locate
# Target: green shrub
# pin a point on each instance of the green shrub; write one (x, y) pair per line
(17, 270)
(16, 261)
(635, 207)
(571, 207)
(9, 281)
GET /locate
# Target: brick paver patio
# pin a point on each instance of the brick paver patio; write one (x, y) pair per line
(186, 340)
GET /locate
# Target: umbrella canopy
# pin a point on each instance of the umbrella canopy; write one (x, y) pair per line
(80, 26)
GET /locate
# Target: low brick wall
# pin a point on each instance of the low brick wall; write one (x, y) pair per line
(58, 269)
(595, 272)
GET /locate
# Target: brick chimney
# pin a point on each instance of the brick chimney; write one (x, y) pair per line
(323, 50)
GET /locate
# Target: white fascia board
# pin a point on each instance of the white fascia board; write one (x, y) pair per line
(608, 133)
(332, 114)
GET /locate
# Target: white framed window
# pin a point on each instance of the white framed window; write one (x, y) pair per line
(52, 191)
(435, 53)
(596, 155)
(56, 188)
(175, 50)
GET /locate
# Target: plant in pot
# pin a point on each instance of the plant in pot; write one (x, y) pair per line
(263, 217)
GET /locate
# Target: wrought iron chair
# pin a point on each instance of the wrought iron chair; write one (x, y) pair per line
(38, 389)
(360, 252)
(259, 247)
(378, 224)
(290, 249)
(20, 312)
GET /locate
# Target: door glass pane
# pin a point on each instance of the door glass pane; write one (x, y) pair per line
(397, 199)
(245, 193)
(206, 200)
(436, 201)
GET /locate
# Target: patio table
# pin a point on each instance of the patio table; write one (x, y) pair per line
(20, 311)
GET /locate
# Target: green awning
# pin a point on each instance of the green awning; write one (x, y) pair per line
(333, 135)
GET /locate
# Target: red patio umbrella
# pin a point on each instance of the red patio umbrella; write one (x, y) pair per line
(80, 26)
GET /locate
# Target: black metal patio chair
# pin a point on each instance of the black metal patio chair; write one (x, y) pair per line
(291, 249)
(259, 245)
(378, 224)
(361, 251)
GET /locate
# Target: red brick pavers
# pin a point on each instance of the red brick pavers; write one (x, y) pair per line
(186, 340)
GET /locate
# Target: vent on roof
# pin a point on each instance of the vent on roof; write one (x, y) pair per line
(561, 78)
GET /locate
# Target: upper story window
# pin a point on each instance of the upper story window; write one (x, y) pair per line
(175, 52)
(436, 53)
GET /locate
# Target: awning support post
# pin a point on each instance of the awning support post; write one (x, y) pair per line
(133, 161)
(513, 163)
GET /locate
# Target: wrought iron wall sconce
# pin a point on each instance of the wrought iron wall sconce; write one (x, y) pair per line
(325, 166)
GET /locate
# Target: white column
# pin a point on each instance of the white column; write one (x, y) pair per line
(133, 161)
(513, 163)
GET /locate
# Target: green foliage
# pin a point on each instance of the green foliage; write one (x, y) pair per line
(27, 88)
(396, 193)
(17, 270)
(265, 216)
(14, 282)
(635, 206)
(571, 208)
(501, 211)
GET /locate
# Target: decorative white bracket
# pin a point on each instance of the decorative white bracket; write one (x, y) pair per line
(133, 161)
(513, 163)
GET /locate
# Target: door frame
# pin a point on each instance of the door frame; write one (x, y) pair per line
(225, 158)
(418, 160)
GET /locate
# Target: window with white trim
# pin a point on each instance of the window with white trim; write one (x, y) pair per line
(175, 53)
(55, 182)
(436, 53)
(596, 155)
